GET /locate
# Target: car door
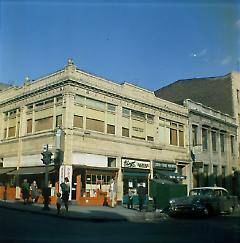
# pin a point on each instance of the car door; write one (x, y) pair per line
(221, 200)
(226, 201)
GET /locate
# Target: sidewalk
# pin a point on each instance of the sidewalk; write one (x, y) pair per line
(87, 213)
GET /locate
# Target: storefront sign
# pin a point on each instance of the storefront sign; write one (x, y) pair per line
(164, 165)
(136, 164)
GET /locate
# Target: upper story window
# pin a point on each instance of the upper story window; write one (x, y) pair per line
(44, 124)
(79, 100)
(194, 135)
(44, 103)
(176, 134)
(78, 121)
(214, 141)
(150, 118)
(205, 138)
(29, 126)
(222, 142)
(173, 134)
(138, 115)
(95, 125)
(95, 104)
(111, 108)
(125, 112)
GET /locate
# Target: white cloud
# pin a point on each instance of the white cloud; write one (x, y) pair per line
(200, 53)
(226, 60)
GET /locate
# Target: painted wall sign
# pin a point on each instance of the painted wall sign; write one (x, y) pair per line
(164, 165)
(136, 164)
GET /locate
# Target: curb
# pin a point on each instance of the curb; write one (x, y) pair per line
(64, 216)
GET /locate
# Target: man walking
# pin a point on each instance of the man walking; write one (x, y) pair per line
(141, 196)
(65, 192)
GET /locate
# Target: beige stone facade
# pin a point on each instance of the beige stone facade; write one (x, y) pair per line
(109, 130)
(213, 143)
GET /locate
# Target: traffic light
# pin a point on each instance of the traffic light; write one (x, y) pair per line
(58, 157)
(46, 157)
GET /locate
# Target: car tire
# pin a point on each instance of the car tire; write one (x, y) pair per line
(230, 210)
(206, 212)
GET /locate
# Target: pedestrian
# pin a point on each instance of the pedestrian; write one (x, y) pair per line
(59, 202)
(5, 193)
(34, 192)
(65, 192)
(141, 196)
(112, 192)
(130, 198)
(25, 191)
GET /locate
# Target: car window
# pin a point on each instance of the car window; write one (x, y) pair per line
(224, 193)
(218, 193)
(201, 192)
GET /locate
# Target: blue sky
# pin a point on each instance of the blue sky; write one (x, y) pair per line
(150, 43)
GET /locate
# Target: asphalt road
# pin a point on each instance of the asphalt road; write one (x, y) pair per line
(18, 226)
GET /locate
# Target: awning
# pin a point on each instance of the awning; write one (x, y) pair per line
(95, 168)
(32, 170)
(6, 170)
(136, 174)
(170, 174)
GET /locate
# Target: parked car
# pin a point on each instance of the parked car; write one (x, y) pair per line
(204, 201)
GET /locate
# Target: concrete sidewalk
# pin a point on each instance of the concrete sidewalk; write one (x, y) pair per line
(87, 213)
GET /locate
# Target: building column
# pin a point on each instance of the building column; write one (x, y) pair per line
(2, 126)
(119, 179)
(68, 114)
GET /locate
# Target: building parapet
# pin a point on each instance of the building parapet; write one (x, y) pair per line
(71, 73)
(208, 111)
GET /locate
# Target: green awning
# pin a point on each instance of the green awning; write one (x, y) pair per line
(170, 174)
(6, 170)
(136, 174)
(32, 170)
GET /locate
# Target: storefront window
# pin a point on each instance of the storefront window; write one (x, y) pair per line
(96, 181)
(133, 181)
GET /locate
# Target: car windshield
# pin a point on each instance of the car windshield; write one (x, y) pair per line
(201, 192)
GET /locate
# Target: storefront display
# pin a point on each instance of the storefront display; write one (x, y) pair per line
(134, 173)
(92, 184)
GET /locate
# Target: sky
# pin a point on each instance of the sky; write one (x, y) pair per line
(149, 43)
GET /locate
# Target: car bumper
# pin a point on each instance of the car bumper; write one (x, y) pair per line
(190, 210)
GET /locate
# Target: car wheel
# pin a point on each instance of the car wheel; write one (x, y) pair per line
(230, 209)
(207, 211)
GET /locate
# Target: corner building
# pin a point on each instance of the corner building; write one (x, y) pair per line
(107, 130)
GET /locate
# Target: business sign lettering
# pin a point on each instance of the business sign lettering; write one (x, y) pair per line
(164, 165)
(136, 164)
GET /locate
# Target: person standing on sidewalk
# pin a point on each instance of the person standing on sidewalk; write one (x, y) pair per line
(130, 198)
(25, 191)
(141, 196)
(112, 192)
(34, 192)
(59, 203)
(65, 192)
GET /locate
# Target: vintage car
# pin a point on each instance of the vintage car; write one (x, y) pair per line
(204, 201)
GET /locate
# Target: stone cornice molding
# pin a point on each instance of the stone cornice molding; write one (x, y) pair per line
(74, 77)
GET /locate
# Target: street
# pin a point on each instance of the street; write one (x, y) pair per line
(18, 226)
